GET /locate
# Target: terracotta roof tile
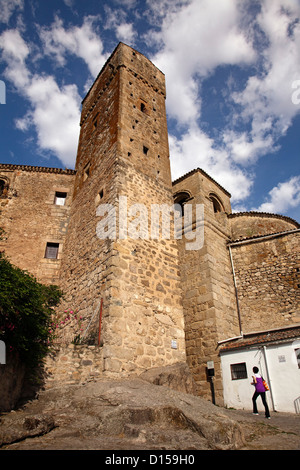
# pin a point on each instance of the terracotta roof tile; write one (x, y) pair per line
(261, 338)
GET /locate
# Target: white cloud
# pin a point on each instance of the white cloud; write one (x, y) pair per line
(125, 33)
(55, 112)
(7, 8)
(55, 115)
(116, 21)
(15, 52)
(81, 41)
(244, 148)
(196, 147)
(126, 3)
(266, 102)
(194, 39)
(282, 197)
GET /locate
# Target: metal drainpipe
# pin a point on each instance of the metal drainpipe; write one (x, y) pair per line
(236, 292)
(268, 377)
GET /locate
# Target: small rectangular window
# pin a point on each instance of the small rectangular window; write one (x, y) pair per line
(52, 250)
(60, 198)
(238, 371)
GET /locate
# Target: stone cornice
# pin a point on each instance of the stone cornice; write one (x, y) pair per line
(264, 215)
(40, 169)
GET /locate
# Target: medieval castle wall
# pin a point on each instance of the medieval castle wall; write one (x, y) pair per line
(268, 281)
(208, 291)
(162, 302)
(123, 153)
(32, 217)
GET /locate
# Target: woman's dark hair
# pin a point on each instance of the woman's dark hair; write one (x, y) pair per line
(255, 370)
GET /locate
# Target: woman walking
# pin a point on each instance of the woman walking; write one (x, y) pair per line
(259, 390)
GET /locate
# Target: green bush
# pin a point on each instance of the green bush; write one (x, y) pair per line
(26, 307)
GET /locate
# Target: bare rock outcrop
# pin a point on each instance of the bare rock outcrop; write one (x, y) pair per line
(119, 414)
(177, 377)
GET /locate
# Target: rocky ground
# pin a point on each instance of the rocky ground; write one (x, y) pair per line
(134, 414)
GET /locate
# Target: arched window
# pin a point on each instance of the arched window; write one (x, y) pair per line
(217, 203)
(181, 198)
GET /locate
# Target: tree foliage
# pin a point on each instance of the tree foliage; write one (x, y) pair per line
(26, 307)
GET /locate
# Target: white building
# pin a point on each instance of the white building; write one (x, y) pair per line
(277, 355)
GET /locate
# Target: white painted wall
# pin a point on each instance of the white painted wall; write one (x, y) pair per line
(284, 377)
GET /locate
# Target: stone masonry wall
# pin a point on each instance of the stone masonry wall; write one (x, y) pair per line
(73, 364)
(30, 217)
(206, 278)
(137, 277)
(145, 322)
(86, 273)
(253, 224)
(268, 281)
(162, 303)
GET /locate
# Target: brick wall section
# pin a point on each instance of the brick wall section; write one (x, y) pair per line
(31, 219)
(268, 281)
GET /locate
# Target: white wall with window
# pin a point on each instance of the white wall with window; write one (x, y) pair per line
(278, 363)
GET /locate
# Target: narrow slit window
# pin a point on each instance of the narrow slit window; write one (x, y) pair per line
(86, 172)
(3, 188)
(52, 250)
(2, 185)
(99, 196)
(144, 107)
(60, 198)
(95, 121)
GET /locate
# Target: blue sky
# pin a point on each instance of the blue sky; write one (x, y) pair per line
(233, 85)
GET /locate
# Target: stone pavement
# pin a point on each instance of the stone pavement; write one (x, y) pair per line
(281, 432)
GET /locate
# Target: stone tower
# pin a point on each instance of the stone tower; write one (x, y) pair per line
(110, 255)
(208, 291)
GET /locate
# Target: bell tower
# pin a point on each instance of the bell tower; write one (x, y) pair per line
(111, 256)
